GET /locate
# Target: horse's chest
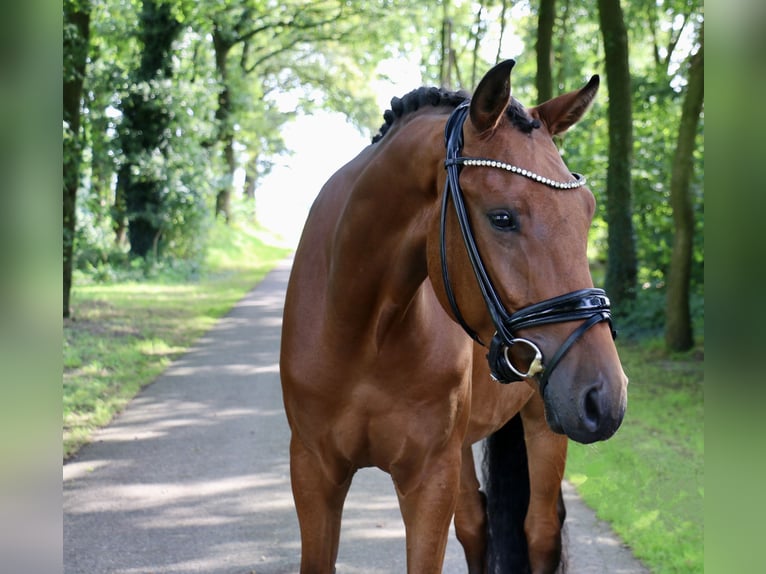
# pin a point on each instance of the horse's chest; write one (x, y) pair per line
(379, 423)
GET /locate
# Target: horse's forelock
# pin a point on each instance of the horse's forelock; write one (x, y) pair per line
(519, 117)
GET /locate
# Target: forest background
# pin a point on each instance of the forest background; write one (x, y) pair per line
(173, 119)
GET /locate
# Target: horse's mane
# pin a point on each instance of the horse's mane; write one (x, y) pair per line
(437, 97)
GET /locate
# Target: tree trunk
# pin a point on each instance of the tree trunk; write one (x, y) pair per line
(503, 10)
(76, 42)
(563, 35)
(678, 325)
(445, 75)
(222, 45)
(251, 181)
(544, 47)
(144, 202)
(621, 251)
(223, 199)
(101, 165)
(120, 208)
(478, 34)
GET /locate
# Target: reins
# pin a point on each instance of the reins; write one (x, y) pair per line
(589, 305)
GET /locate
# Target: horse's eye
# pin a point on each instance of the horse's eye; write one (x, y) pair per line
(503, 220)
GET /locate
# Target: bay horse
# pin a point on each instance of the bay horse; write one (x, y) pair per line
(441, 295)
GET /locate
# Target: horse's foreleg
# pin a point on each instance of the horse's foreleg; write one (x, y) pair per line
(427, 499)
(319, 491)
(471, 516)
(546, 453)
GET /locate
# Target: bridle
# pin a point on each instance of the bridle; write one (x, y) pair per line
(588, 305)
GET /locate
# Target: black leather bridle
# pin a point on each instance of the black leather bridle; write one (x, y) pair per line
(588, 305)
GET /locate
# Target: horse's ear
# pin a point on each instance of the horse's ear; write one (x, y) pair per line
(491, 97)
(561, 113)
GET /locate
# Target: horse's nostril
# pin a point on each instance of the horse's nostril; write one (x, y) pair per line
(592, 409)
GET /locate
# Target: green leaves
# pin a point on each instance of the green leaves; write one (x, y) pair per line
(325, 54)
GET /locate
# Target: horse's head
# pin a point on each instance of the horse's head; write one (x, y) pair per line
(514, 268)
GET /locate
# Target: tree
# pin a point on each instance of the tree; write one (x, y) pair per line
(621, 251)
(678, 325)
(501, 35)
(212, 110)
(76, 41)
(544, 50)
(289, 41)
(144, 129)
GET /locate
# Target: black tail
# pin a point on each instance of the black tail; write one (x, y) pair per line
(506, 484)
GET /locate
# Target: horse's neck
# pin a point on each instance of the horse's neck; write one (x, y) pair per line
(379, 251)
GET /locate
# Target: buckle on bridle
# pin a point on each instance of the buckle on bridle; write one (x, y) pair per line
(501, 365)
(535, 366)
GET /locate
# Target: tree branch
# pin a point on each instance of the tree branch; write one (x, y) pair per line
(673, 40)
(336, 37)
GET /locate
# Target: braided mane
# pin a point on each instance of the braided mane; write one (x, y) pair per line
(438, 97)
(415, 100)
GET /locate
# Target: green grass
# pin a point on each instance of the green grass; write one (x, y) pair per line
(648, 480)
(123, 335)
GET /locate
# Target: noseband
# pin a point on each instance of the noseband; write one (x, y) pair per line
(588, 305)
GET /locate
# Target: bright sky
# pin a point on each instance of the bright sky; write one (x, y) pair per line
(321, 144)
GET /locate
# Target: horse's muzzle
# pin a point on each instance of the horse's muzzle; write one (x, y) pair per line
(595, 414)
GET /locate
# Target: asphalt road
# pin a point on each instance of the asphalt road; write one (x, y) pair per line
(193, 475)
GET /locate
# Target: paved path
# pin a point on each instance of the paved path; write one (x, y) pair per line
(193, 476)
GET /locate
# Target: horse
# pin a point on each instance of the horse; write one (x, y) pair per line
(440, 295)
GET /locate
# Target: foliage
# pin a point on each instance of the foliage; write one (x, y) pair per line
(323, 50)
(648, 480)
(657, 98)
(325, 53)
(644, 316)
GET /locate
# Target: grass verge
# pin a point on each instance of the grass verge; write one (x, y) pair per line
(647, 481)
(122, 335)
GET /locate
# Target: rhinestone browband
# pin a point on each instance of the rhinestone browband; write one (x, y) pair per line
(475, 161)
